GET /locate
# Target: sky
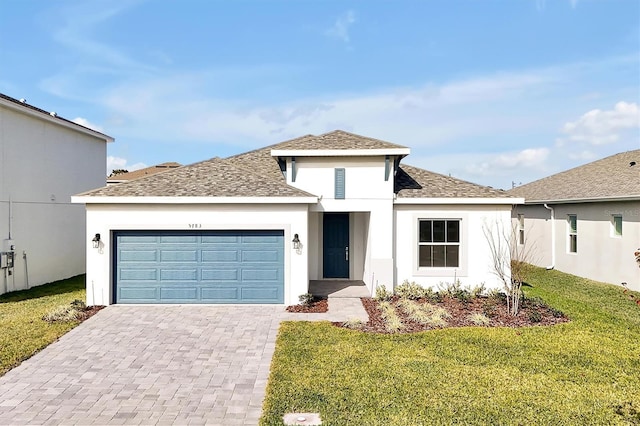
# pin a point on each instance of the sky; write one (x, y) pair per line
(494, 92)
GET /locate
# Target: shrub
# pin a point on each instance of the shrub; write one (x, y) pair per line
(489, 307)
(479, 319)
(535, 316)
(477, 290)
(412, 291)
(382, 294)
(306, 299)
(353, 323)
(65, 313)
(392, 321)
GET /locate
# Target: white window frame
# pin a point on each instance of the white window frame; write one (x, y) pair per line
(448, 272)
(521, 229)
(614, 230)
(572, 234)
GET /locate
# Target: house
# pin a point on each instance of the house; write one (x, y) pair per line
(127, 176)
(258, 226)
(585, 221)
(44, 159)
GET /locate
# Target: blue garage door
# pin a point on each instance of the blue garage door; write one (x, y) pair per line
(199, 267)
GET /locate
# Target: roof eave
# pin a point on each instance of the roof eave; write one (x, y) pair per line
(461, 200)
(88, 199)
(56, 120)
(339, 152)
(583, 200)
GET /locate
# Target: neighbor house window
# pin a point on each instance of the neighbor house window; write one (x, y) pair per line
(616, 225)
(439, 243)
(573, 233)
(521, 229)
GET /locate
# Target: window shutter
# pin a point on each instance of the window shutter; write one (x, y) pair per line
(339, 184)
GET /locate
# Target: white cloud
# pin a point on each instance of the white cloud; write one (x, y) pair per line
(86, 123)
(340, 29)
(509, 161)
(598, 127)
(114, 163)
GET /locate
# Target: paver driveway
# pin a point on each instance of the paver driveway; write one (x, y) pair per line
(149, 365)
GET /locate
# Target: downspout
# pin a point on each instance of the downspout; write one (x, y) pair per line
(553, 237)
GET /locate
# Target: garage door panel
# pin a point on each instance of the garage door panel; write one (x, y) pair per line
(178, 293)
(216, 294)
(189, 255)
(139, 256)
(220, 275)
(139, 274)
(199, 267)
(259, 293)
(220, 256)
(138, 294)
(257, 255)
(178, 275)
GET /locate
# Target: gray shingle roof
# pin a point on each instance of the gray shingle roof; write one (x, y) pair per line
(136, 174)
(211, 178)
(413, 182)
(609, 177)
(338, 139)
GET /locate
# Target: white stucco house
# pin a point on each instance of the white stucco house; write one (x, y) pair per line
(259, 226)
(586, 221)
(44, 159)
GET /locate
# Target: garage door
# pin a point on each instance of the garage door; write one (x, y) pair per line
(199, 267)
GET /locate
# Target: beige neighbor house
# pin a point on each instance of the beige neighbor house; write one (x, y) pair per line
(258, 227)
(585, 221)
(136, 174)
(44, 159)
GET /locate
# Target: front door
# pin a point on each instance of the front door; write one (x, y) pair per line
(336, 245)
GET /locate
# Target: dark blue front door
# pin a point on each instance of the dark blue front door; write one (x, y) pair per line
(336, 245)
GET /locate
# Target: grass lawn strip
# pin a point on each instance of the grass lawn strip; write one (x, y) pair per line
(23, 331)
(580, 372)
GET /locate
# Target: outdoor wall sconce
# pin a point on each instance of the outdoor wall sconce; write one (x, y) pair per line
(96, 241)
(296, 242)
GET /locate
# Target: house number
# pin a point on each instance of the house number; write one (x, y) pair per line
(195, 225)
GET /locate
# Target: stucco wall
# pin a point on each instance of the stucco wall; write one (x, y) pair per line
(105, 219)
(41, 165)
(364, 176)
(475, 258)
(601, 255)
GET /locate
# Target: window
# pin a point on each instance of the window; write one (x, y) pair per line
(521, 229)
(339, 184)
(439, 243)
(573, 233)
(616, 225)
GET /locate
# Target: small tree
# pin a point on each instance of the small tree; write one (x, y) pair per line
(115, 172)
(510, 261)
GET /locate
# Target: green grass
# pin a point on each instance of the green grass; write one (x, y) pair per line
(22, 330)
(575, 373)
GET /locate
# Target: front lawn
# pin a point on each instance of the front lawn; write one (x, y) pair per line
(583, 372)
(22, 330)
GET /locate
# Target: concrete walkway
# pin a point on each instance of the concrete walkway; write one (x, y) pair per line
(144, 365)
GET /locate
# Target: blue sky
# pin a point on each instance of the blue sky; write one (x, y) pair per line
(493, 92)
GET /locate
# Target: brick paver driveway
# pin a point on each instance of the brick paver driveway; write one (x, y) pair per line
(149, 365)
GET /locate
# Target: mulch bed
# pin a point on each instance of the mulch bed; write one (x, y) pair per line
(318, 306)
(530, 314)
(89, 311)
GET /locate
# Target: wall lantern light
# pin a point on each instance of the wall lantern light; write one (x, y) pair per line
(96, 241)
(296, 242)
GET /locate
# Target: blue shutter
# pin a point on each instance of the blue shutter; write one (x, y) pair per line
(339, 184)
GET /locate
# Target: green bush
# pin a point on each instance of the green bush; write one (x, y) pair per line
(306, 299)
(382, 294)
(479, 319)
(392, 321)
(412, 291)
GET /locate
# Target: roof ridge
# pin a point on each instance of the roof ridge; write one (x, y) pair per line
(361, 136)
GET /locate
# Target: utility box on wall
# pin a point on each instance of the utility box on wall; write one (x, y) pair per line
(9, 245)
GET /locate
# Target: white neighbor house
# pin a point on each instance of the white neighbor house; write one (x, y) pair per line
(586, 221)
(44, 159)
(257, 227)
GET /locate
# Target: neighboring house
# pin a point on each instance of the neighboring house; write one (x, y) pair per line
(44, 159)
(586, 221)
(125, 177)
(258, 226)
